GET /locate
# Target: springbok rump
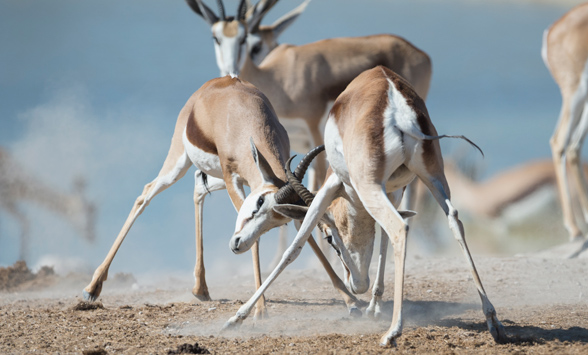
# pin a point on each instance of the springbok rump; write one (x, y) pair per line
(378, 138)
(229, 131)
(19, 186)
(565, 53)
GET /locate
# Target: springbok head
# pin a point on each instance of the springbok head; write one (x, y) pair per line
(257, 215)
(262, 39)
(230, 32)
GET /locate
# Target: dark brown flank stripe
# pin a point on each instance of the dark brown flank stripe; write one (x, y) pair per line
(196, 138)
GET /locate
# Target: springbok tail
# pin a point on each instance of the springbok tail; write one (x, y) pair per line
(417, 134)
(460, 137)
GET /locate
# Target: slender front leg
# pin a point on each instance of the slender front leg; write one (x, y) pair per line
(374, 310)
(260, 308)
(165, 179)
(204, 184)
(318, 207)
(348, 298)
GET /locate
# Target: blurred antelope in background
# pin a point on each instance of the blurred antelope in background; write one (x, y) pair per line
(229, 131)
(378, 138)
(565, 53)
(18, 186)
(504, 210)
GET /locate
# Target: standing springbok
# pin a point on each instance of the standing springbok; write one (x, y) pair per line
(17, 185)
(378, 138)
(301, 81)
(565, 53)
(229, 131)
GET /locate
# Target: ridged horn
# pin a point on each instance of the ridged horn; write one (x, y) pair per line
(295, 181)
(287, 194)
(242, 10)
(221, 10)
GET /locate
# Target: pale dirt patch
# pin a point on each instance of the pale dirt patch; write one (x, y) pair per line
(542, 302)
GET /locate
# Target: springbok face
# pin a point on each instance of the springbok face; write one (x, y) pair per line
(232, 35)
(256, 215)
(260, 44)
(229, 46)
(255, 218)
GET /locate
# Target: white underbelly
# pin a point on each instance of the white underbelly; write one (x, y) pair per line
(205, 162)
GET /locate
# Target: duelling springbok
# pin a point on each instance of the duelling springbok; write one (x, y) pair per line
(301, 81)
(229, 131)
(378, 138)
(565, 53)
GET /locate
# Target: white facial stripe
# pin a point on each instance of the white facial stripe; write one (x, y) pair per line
(230, 51)
(246, 211)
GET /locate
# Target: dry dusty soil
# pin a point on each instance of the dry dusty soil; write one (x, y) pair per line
(541, 301)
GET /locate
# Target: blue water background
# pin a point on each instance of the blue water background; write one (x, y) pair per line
(93, 88)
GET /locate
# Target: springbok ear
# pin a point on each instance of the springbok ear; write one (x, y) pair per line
(407, 214)
(285, 21)
(263, 166)
(255, 14)
(292, 211)
(201, 9)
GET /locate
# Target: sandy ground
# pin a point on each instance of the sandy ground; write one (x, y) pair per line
(542, 302)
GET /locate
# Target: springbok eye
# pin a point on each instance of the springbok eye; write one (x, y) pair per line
(216, 40)
(256, 49)
(260, 202)
(329, 239)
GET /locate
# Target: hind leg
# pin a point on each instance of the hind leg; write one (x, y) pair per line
(201, 189)
(440, 190)
(374, 309)
(164, 180)
(376, 202)
(573, 154)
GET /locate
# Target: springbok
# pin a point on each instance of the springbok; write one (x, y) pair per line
(17, 185)
(565, 53)
(378, 138)
(301, 81)
(229, 131)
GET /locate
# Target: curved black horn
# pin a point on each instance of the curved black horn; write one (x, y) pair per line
(296, 184)
(221, 10)
(242, 10)
(294, 190)
(286, 194)
(305, 162)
